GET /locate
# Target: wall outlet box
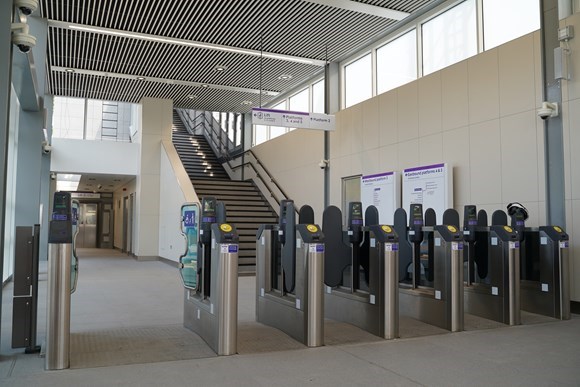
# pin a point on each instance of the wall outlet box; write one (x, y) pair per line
(565, 33)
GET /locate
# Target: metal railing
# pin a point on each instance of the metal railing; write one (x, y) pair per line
(227, 153)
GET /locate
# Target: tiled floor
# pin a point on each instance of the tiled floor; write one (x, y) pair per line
(130, 314)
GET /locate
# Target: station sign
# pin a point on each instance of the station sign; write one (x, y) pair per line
(290, 119)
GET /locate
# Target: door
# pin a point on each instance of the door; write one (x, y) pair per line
(87, 224)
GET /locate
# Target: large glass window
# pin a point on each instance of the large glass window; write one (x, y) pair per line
(358, 81)
(261, 134)
(500, 25)
(318, 97)
(68, 118)
(397, 62)
(299, 101)
(276, 131)
(450, 37)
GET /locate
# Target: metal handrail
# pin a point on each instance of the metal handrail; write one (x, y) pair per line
(218, 147)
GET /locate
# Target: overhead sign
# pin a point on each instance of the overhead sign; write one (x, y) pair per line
(291, 119)
(382, 191)
(430, 185)
(85, 195)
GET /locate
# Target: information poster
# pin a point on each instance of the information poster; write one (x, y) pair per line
(382, 191)
(430, 185)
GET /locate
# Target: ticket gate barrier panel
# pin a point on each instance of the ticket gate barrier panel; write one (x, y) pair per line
(375, 310)
(214, 315)
(545, 286)
(297, 309)
(495, 293)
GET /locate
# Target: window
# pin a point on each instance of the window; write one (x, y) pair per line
(450, 37)
(68, 119)
(276, 131)
(318, 97)
(500, 25)
(299, 101)
(397, 62)
(358, 81)
(261, 134)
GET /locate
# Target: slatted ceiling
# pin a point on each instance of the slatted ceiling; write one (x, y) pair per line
(291, 27)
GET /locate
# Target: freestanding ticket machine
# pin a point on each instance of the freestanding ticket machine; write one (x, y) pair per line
(289, 276)
(209, 271)
(431, 271)
(367, 298)
(60, 239)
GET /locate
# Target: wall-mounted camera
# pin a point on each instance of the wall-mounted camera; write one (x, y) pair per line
(323, 164)
(548, 109)
(53, 176)
(46, 148)
(21, 38)
(26, 6)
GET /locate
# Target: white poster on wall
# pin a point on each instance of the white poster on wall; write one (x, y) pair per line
(430, 185)
(382, 191)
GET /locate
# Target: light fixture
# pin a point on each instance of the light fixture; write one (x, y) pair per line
(191, 96)
(285, 77)
(141, 78)
(205, 85)
(247, 102)
(220, 68)
(69, 70)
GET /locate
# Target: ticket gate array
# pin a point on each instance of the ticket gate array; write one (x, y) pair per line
(209, 271)
(430, 269)
(361, 271)
(289, 275)
(492, 256)
(545, 287)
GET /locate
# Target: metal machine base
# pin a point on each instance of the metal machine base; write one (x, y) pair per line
(538, 298)
(480, 301)
(282, 314)
(422, 305)
(355, 309)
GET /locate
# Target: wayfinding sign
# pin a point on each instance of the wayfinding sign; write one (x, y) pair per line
(382, 191)
(290, 119)
(430, 185)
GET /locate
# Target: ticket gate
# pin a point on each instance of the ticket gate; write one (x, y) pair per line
(545, 286)
(492, 255)
(367, 298)
(430, 269)
(289, 276)
(209, 271)
(60, 240)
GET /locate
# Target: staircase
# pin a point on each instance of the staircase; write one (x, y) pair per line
(246, 208)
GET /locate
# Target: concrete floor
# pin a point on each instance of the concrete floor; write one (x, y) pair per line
(123, 309)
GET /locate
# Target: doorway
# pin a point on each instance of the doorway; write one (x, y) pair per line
(87, 223)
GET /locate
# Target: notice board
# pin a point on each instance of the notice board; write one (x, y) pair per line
(382, 191)
(430, 185)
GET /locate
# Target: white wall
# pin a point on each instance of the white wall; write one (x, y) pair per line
(293, 160)
(571, 122)
(478, 115)
(177, 190)
(83, 156)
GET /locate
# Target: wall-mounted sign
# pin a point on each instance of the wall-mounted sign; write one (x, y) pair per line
(382, 191)
(85, 195)
(430, 185)
(291, 119)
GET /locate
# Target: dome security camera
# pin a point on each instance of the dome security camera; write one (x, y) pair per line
(323, 164)
(26, 6)
(46, 148)
(21, 38)
(548, 109)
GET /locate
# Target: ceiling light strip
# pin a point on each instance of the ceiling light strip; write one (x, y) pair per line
(182, 42)
(161, 80)
(368, 9)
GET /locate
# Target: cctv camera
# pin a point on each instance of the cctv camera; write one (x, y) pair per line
(548, 109)
(21, 37)
(53, 176)
(26, 6)
(323, 164)
(46, 148)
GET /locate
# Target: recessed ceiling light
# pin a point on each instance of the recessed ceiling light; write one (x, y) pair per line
(285, 77)
(220, 68)
(192, 96)
(205, 85)
(141, 78)
(247, 102)
(69, 70)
